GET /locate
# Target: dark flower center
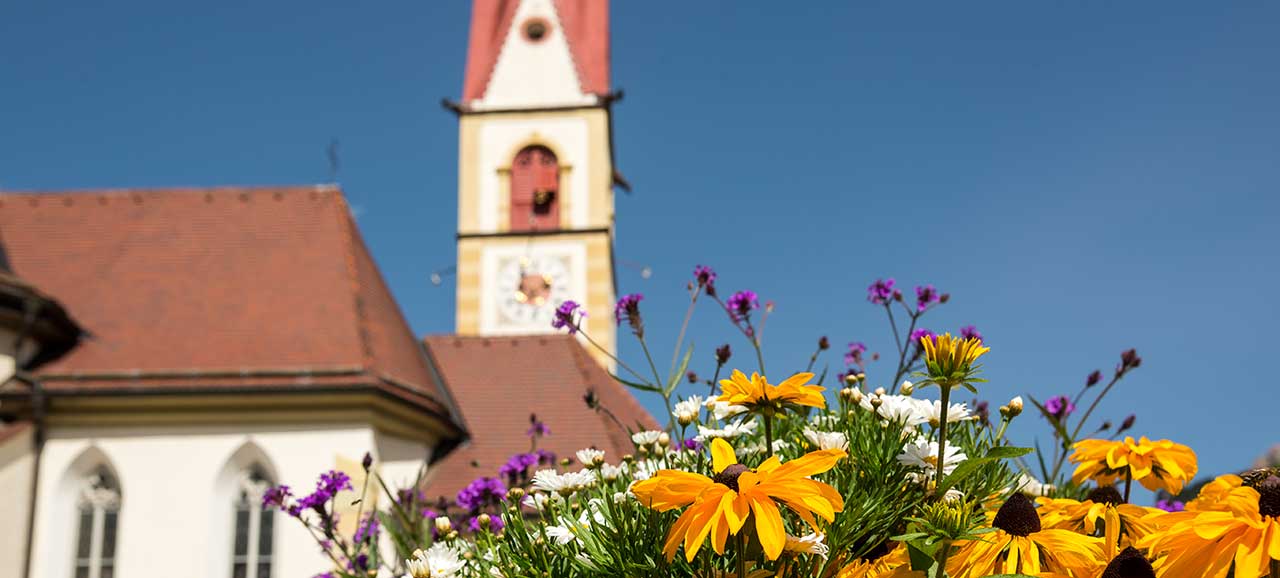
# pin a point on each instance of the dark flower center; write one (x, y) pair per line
(729, 476)
(1129, 564)
(1017, 516)
(1106, 495)
(1269, 497)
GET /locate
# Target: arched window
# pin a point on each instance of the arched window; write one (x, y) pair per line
(98, 514)
(535, 190)
(254, 525)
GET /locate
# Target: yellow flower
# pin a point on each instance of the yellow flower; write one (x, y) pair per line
(1019, 545)
(757, 393)
(1157, 465)
(1242, 528)
(950, 359)
(895, 564)
(719, 506)
(1121, 524)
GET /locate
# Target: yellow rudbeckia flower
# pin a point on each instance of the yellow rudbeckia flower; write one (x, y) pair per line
(720, 506)
(756, 393)
(1019, 545)
(1122, 524)
(1157, 465)
(950, 360)
(1242, 528)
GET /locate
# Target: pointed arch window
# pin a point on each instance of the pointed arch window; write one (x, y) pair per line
(535, 190)
(98, 514)
(253, 549)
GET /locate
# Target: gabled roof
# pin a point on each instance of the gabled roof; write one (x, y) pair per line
(499, 381)
(234, 288)
(586, 28)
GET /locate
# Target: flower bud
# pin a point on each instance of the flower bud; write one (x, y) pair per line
(1127, 423)
(723, 353)
(452, 535)
(565, 462)
(628, 458)
(483, 521)
(907, 388)
(944, 298)
(693, 377)
(823, 343)
(685, 419)
(879, 391)
(876, 402)
(851, 379)
(443, 524)
(664, 440)
(1093, 379)
(1015, 406)
(367, 462)
(847, 393)
(514, 494)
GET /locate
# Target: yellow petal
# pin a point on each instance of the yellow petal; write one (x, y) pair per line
(722, 455)
(769, 527)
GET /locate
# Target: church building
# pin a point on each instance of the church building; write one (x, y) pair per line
(167, 354)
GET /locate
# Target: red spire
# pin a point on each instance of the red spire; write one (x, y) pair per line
(585, 25)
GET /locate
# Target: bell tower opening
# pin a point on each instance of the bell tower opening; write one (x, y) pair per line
(535, 189)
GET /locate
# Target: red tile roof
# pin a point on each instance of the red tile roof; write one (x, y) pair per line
(215, 288)
(499, 381)
(586, 28)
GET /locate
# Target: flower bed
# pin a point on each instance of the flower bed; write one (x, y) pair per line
(825, 476)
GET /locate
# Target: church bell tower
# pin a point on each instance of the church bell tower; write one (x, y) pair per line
(535, 169)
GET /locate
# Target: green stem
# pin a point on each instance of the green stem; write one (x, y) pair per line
(1128, 483)
(768, 434)
(755, 342)
(675, 355)
(666, 394)
(742, 553)
(943, 553)
(942, 432)
(614, 357)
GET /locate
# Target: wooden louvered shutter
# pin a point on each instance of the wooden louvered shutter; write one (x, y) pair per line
(535, 188)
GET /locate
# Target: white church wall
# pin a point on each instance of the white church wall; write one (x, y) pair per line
(501, 138)
(16, 462)
(176, 491)
(534, 73)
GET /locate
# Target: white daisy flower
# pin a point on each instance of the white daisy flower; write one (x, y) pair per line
(956, 412)
(646, 438)
(742, 426)
(827, 440)
(439, 561)
(723, 409)
(561, 534)
(610, 472)
(758, 448)
(924, 454)
(644, 469)
(564, 484)
(687, 411)
(901, 409)
(588, 456)
(809, 544)
(1028, 484)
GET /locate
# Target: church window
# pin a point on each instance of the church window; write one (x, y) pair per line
(252, 550)
(535, 188)
(98, 515)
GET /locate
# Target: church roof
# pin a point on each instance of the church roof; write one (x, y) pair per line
(227, 289)
(586, 28)
(499, 381)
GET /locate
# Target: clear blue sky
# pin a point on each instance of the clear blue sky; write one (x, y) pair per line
(1083, 177)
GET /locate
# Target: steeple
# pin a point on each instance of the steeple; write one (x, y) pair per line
(535, 168)
(537, 53)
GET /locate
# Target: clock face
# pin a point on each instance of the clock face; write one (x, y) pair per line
(530, 289)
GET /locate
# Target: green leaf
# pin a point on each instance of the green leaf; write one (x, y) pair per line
(971, 465)
(639, 386)
(678, 374)
(920, 560)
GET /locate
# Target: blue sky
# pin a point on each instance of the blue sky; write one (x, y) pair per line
(1081, 177)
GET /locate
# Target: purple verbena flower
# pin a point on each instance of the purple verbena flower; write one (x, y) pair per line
(1059, 407)
(481, 492)
(691, 445)
(332, 482)
(276, 496)
(359, 564)
(367, 530)
(1170, 505)
(705, 277)
(537, 428)
(881, 291)
(568, 315)
(517, 467)
(853, 356)
(919, 334)
(970, 332)
(628, 308)
(545, 457)
(723, 353)
(741, 304)
(926, 295)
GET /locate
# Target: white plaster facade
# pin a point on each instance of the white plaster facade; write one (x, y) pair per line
(16, 461)
(177, 486)
(530, 74)
(500, 138)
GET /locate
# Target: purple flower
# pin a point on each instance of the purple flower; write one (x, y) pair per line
(332, 482)
(628, 307)
(705, 277)
(359, 564)
(926, 295)
(742, 303)
(691, 445)
(881, 291)
(982, 409)
(323, 575)
(919, 334)
(568, 315)
(481, 492)
(1127, 424)
(1059, 407)
(1170, 505)
(367, 530)
(495, 524)
(970, 332)
(545, 457)
(275, 497)
(537, 428)
(854, 355)
(517, 467)
(723, 353)
(1093, 378)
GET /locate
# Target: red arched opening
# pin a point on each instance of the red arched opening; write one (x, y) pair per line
(535, 190)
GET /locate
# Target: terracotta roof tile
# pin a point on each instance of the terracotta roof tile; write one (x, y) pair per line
(211, 284)
(499, 381)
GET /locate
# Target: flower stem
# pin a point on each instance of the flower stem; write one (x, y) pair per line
(675, 356)
(1128, 483)
(666, 395)
(1275, 569)
(943, 553)
(613, 357)
(742, 553)
(768, 434)
(942, 433)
